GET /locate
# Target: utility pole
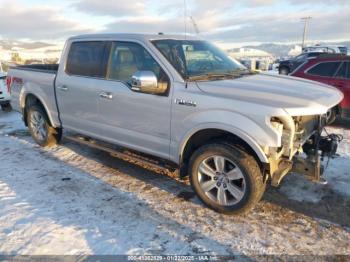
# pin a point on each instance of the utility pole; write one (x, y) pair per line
(306, 25)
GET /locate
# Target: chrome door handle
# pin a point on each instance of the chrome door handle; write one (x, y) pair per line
(63, 88)
(106, 95)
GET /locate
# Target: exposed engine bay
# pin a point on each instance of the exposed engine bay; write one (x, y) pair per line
(304, 145)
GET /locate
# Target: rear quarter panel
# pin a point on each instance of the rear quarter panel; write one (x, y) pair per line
(39, 84)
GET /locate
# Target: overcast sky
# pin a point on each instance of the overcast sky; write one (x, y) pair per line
(227, 22)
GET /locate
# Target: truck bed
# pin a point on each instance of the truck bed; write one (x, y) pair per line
(50, 68)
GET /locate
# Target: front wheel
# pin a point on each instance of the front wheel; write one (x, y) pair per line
(40, 128)
(226, 178)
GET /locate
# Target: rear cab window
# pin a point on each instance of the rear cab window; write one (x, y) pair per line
(88, 59)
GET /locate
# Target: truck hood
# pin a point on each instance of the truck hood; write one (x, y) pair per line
(296, 96)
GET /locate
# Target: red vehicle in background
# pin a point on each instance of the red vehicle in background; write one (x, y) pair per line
(332, 70)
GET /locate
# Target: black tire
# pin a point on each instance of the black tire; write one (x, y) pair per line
(6, 107)
(283, 71)
(250, 170)
(331, 116)
(52, 135)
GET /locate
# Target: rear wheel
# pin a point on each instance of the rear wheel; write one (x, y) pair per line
(226, 178)
(40, 128)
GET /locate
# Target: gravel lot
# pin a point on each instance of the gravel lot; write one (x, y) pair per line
(72, 199)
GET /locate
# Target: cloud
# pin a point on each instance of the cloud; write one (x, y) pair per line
(284, 26)
(246, 25)
(151, 25)
(17, 21)
(222, 20)
(113, 8)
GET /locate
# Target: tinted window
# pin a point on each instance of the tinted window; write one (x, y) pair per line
(87, 59)
(324, 69)
(127, 58)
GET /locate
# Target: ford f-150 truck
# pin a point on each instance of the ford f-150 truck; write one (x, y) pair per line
(182, 104)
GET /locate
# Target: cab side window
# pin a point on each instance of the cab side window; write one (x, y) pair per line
(127, 58)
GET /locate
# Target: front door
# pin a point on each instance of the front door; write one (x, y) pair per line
(130, 118)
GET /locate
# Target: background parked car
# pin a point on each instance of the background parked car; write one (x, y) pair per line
(289, 65)
(332, 70)
(5, 96)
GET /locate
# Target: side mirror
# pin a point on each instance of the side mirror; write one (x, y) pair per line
(146, 82)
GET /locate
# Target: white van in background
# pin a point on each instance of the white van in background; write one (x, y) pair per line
(5, 96)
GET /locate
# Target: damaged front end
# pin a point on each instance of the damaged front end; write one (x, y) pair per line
(302, 147)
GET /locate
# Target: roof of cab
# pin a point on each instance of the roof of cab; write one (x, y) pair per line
(142, 37)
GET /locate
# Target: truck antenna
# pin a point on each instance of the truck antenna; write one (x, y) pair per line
(185, 17)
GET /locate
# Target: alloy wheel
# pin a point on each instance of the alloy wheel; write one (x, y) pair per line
(221, 180)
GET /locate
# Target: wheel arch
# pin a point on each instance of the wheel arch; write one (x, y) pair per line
(202, 136)
(31, 99)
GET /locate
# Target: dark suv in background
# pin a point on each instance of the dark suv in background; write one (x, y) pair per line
(332, 70)
(289, 65)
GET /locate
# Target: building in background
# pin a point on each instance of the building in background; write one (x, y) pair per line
(296, 50)
(17, 54)
(253, 59)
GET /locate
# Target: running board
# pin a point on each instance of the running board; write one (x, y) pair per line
(116, 151)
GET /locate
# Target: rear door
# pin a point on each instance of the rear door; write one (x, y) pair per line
(77, 85)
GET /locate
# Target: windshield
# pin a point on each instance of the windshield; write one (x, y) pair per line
(196, 58)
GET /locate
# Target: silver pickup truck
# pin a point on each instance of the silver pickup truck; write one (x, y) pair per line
(183, 104)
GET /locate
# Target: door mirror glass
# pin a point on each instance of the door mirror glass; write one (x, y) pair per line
(146, 82)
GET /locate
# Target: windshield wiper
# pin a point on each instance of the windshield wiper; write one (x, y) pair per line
(210, 76)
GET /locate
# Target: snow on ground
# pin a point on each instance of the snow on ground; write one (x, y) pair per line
(72, 199)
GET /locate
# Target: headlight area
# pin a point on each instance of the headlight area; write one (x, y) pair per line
(301, 147)
(286, 127)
